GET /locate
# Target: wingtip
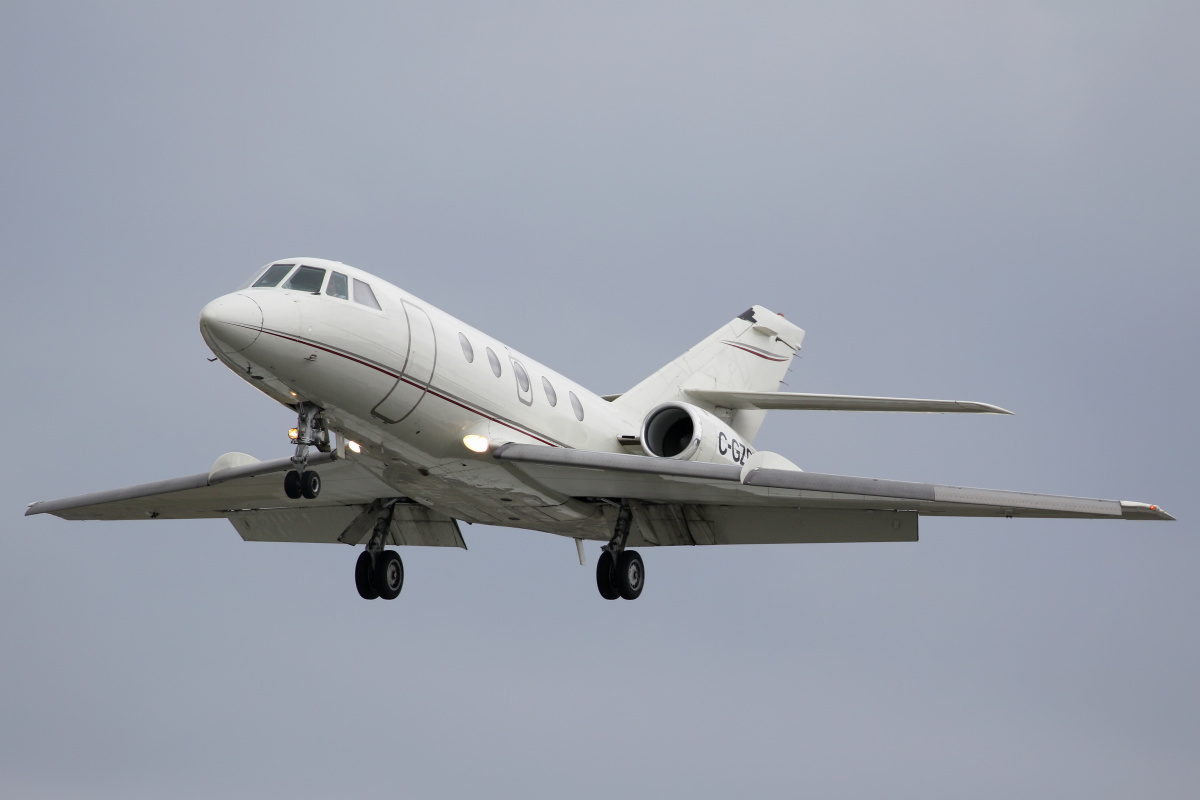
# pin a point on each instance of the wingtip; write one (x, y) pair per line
(1134, 510)
(987, 408)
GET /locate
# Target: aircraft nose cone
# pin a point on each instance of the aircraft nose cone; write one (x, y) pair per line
(233, 321)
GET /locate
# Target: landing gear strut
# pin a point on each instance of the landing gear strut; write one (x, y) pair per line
(620, 572)
(311, 431)
(379, 572)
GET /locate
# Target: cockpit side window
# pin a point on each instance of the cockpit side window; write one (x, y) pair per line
(306, 279)
(338, 286)
(274, 275)
(364, 295)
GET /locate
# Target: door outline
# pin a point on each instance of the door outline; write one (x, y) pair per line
(399, 402)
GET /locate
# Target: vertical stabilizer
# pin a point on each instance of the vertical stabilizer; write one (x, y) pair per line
(752, 353)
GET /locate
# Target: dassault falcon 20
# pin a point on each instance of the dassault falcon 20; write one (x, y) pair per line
(409, 420)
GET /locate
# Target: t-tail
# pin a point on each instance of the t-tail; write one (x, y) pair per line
(751, 353)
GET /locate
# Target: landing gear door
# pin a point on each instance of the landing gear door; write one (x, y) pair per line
(418, 368)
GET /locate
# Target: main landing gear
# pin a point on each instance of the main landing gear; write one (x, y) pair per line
(311, 431)
(379, 572)
(620, 572)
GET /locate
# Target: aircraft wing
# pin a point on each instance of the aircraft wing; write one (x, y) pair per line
(581, 473)
(249, 493)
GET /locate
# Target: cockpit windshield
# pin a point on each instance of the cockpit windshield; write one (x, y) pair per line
(274, 275)
(338, 286)
(306, 279)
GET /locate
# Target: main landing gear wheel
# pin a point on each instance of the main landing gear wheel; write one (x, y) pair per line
(310, 484)
(291, 485)
(381, 576)
(605, 575)
(620, 572)
(630, 575)
(388, 575)
(362, 577)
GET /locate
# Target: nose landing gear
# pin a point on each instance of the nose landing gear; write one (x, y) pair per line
(310, 432)
(620, 572)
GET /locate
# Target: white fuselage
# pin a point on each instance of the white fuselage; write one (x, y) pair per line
(400, 381)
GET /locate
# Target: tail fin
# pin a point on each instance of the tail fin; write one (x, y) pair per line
(751, 354)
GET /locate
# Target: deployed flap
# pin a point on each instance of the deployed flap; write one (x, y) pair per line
(801, 401)
(670, 524)
(412, 525)
(582, 473)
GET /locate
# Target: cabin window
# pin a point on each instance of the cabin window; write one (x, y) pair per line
(576, 406)
(274, 275)
(339, 286)
(306, 279)
(495, 362)
(468, 351)
(522, 376)
(551, 395)
(364, 296)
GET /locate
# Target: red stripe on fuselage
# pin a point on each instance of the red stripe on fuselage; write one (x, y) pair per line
(401, 377)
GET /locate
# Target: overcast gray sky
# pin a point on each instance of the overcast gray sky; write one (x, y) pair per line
(984, 201)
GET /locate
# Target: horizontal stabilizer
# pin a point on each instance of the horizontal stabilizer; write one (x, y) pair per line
(800, 401)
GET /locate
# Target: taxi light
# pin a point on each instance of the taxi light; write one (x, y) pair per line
(354, 447)
(476, 443)
(294, 434)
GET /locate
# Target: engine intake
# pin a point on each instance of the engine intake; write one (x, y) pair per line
(687, 433)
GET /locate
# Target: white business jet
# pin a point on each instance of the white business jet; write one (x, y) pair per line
(409, 420)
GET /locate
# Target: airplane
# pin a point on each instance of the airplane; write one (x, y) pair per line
(409, 421)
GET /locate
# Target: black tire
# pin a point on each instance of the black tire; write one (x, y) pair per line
(310, 484)
(388, 576)
(362, 577)
(291, 484)
(604, 576)
(630, 575)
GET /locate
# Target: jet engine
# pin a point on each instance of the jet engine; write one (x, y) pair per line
(687, 433)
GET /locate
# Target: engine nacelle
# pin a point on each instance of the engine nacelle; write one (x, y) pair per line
(687, 433)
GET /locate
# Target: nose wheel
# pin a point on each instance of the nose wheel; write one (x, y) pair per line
(310, 432)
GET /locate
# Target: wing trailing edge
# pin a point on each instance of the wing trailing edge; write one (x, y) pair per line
(582, 473)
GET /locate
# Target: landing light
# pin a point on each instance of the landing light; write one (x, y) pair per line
(294, 434)
(354, 447)
(476, 443)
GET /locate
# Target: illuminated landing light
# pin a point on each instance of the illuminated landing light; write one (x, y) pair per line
(476, 443)
(294, 434)
(293, 394)
(354, 447)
